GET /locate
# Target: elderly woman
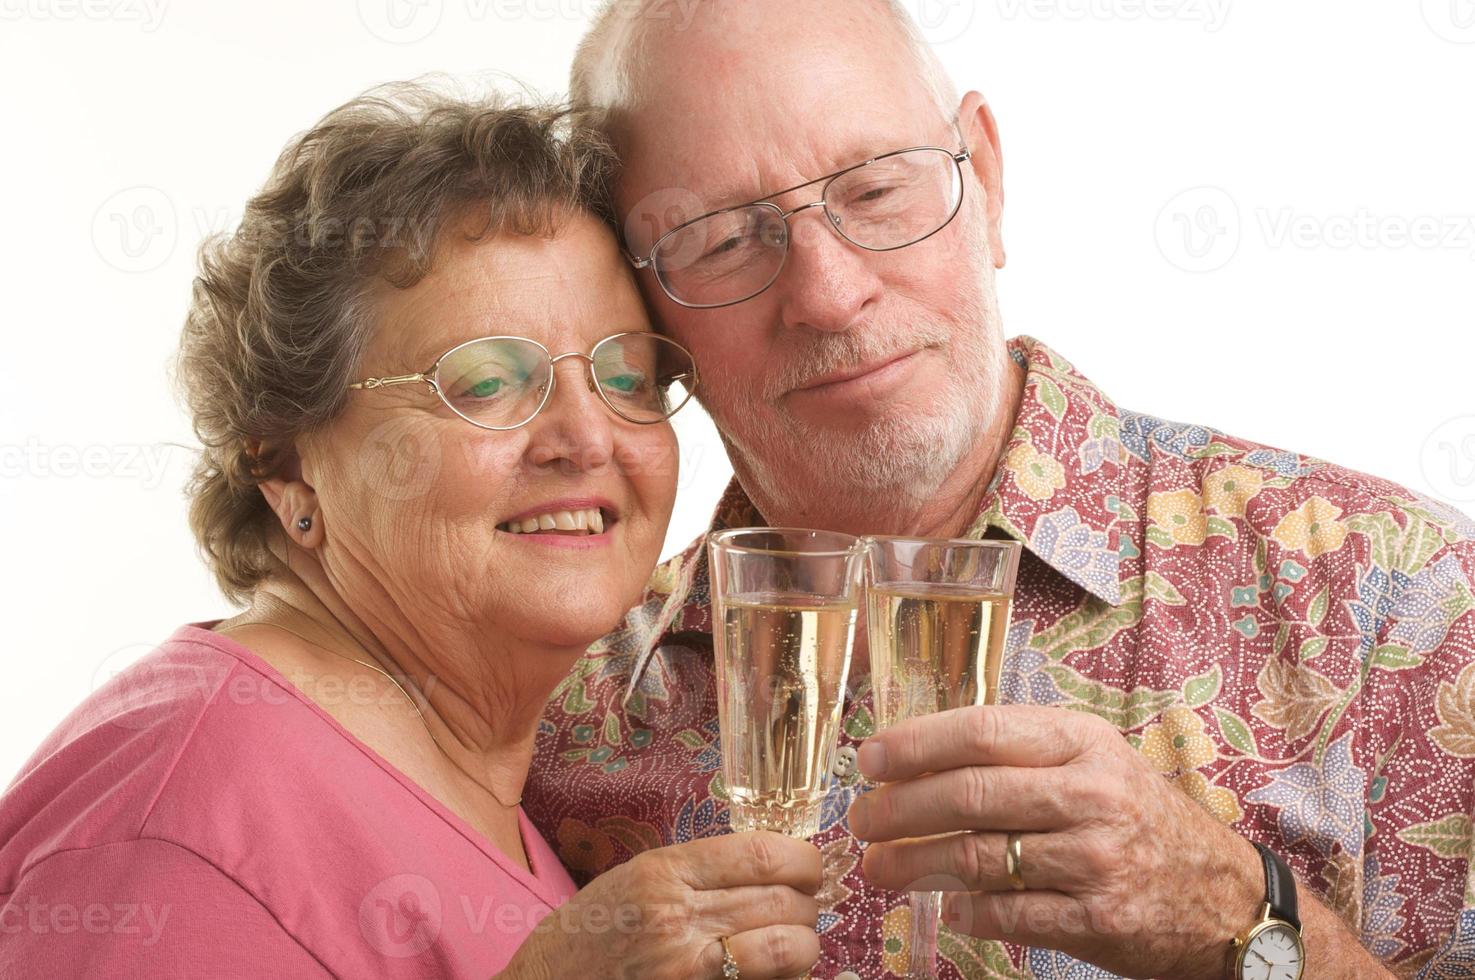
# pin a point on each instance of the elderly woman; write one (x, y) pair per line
(437, 466)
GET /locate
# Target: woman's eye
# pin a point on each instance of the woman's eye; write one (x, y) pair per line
(485, 389)
(623, 383)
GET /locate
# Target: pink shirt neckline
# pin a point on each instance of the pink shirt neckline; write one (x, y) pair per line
(543, 881)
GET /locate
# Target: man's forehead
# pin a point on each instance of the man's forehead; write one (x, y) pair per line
(745, 90)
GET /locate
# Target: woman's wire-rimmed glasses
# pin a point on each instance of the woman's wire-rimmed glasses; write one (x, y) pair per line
(502, 383)
(888, 202)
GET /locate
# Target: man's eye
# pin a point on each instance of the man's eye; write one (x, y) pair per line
(872, 195)
(724, 246)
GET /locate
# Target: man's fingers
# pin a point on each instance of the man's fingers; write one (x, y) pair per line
(756, 858)
(973, 862)
(990, 735)
(1044, 919)
(975, 798)
(766, 954)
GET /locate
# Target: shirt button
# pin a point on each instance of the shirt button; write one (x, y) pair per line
(848, 975)
(844, 766)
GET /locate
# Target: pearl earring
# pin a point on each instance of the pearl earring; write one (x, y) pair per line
(304, 524)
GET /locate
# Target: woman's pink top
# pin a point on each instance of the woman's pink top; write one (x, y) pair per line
(198, 816)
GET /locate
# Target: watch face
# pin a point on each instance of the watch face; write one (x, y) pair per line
(1273, 953)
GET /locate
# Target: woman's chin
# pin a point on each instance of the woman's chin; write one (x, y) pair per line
(561, 622)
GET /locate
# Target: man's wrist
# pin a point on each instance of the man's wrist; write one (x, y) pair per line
(1274, 935)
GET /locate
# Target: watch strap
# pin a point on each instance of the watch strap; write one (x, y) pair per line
(1280, 887)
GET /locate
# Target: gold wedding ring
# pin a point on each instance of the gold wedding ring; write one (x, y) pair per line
(1014, 862)
(729, 965)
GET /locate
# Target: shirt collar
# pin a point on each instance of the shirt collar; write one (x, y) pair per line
(1057, 492)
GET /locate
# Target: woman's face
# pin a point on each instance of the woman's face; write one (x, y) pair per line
(417, 501)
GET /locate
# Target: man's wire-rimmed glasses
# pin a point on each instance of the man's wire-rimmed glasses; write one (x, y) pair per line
(885, 203)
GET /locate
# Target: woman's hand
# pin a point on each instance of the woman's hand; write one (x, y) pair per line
(663, 914)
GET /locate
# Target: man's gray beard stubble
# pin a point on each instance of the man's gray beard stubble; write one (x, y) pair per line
(904, 460)
(901, 461)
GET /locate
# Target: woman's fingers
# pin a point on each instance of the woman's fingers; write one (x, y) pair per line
(734, 910)
(765, 954)
(755, 858)
(975, 862)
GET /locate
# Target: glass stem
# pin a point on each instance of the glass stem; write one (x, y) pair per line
(926, 910)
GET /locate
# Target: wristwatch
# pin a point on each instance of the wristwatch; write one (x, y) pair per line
(1271, 949)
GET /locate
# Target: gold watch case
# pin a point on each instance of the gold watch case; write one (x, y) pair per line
(1239, 946)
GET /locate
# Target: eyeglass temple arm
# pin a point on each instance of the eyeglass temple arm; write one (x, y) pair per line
(398, 379)
(966, 153)
(630, 257)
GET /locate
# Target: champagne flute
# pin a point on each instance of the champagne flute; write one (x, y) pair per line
(786, 603)
(937, 612)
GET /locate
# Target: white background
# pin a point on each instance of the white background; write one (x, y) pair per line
(1250, 214)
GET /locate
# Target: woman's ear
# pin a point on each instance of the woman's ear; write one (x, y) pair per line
(980, 131)
(292, 498)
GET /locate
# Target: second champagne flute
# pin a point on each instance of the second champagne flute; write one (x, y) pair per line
(937, 613)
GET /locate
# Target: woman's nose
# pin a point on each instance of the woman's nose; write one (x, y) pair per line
(575, 430)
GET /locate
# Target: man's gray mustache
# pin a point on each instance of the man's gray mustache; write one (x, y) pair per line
(847, 355)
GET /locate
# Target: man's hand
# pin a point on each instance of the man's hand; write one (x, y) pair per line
(1121, 869)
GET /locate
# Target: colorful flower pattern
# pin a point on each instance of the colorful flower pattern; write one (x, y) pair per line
(1291, 643)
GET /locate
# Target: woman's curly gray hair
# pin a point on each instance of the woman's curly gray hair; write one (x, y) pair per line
(281, 310)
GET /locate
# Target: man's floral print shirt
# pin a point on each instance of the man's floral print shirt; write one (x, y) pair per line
(1290, 643)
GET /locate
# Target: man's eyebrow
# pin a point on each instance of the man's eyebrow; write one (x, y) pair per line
(854, 154)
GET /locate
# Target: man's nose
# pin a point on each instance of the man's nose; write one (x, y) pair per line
(826, 282)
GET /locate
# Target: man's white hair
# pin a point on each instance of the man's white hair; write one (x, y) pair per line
(604, 74)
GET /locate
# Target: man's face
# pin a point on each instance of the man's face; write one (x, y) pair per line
(756, 97)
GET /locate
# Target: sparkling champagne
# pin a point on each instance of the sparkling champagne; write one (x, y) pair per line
(781, 690)
(934, 647)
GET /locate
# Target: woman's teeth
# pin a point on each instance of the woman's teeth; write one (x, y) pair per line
(590, 521)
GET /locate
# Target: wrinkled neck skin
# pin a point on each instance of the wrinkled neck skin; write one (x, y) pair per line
(481, 699)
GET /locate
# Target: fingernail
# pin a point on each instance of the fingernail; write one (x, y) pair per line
(872, 759)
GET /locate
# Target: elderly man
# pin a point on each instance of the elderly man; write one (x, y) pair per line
(1254, 647)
